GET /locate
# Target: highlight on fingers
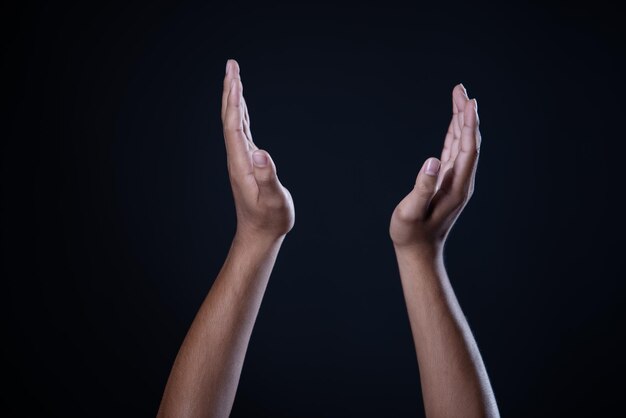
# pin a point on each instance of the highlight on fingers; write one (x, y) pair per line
(459, 99)
(477, 124)
(234, 97)
(467, 160)
(236, 140)
(231, 71)
(470, 117)
(232, 68)
(457, 178)
(233, 115)
(452, 145)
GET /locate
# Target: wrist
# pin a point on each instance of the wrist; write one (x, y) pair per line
(422, 249)
(427, 255)
(257, 239)
(249, 251)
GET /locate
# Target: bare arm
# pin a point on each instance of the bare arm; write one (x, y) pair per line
(205, 375)
(453, 376)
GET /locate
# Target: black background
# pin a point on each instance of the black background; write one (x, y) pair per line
(117, 212)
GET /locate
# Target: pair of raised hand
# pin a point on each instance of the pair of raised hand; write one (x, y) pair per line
(204, 378)
(423, 218)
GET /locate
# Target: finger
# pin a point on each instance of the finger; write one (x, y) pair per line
(459, 100)
(246, 116)
(265, 174)
(451, 143)
(246, 126)
(476, 143)
(459, 187)
(415, 205)
(232, 71)
(454, 131)
(445, 168)
(234, 136)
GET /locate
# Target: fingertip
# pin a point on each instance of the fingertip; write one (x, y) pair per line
(460, 89)
(260, 158)
(424, 189)
(459, 97)
(475, 103)
(232, 66)
(431, 166)
(470, 116)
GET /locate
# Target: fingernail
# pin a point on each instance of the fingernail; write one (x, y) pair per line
(260, 159)
(475, 104)
(464, 89)
(227, 66)
(432, 167)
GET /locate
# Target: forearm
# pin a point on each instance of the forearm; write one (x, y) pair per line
(453, 376)
(204, 378)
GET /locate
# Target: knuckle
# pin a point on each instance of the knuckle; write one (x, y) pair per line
(232, 125)
(424, 188)
(402, 214)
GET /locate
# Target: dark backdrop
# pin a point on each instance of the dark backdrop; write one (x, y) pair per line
(117, 212)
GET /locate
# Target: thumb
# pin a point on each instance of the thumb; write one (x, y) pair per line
(265, 173)
(424, 189)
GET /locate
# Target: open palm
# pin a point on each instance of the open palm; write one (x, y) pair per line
(443, 187)
(264, 206)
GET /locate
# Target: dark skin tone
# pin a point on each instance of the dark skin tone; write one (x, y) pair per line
(206, 372)
(452, 373)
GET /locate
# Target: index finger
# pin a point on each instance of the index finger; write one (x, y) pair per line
(467, 159)
(459, 180)
(234, 135)
(232, 71)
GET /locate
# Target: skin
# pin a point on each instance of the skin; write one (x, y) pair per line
(452, 373)
(206, 372)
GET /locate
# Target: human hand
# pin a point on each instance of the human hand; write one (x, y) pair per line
(443, 187)
(264, 207)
